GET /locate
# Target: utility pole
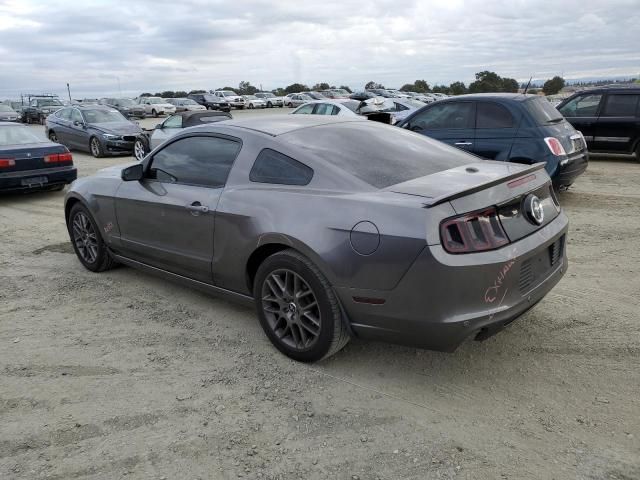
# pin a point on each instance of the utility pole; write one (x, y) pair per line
(69, 92)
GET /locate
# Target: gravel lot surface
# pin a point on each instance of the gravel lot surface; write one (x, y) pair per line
(124, 375)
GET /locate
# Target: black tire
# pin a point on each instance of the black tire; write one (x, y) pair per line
(251, 106)
(42, 119)
(140, 148)
(53, 137)
(102, 260)
(638, 152)
(269, 104)
(95, 147)
(154, 113)
(332, 334)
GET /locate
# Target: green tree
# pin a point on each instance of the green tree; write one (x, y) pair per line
(457, 88)
(371, 85)
(421, 86)
(168, 94)
(296, 88)
(228, 88)
(533, 91)
(279, 92)
(407, 87)
(509, 85)
(197, 91)
(146, 94)
(440, 89)
(553, 85)
(486, 81)
(181, 93)
(344, 87)
(321, 86)
(245, 88)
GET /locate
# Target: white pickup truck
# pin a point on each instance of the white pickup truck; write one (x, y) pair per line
(231, 97)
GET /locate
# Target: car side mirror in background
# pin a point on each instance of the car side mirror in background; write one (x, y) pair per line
(133, 173)
(159, 126)
(78, 124)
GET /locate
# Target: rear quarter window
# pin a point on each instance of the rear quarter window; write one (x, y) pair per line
(493, 115)
(274, 167)
(620, 105)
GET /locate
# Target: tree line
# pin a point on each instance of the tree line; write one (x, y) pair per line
(485, 82)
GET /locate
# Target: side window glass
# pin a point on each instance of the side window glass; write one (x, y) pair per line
(274, 167)
(202, 161)
(305, 109)
(620, 105)
(493, 115)
(323, 109)
(76, 116)
(335, 110)
(174, 121)
(582, 106)
(444, 115)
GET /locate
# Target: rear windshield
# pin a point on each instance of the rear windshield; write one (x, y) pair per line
(17, 135)
(542, 111)
(377, 154)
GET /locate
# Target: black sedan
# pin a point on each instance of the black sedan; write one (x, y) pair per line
(99, 130)
(28, 162)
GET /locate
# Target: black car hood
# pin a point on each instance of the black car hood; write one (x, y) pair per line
(117, 128)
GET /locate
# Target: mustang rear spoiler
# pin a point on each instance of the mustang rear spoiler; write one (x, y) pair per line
(432, 202)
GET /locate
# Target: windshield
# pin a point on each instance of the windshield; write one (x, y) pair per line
(209, 98)
(188, 101)
(251, 97)
(50, 103)
(316, 95)
(352, 105)
(125, 102)
(376, 154)
(17, 135)
(5, 108)
(157, 100)
(103, 116)
(410, 102)
(267, 95)
(229, 94)
(542, 111)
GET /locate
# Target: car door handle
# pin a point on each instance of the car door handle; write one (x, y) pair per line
(196, 208)
(465, 144)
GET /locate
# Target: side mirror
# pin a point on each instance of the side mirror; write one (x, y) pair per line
(78, 124)
(159, 126)
(133, 173)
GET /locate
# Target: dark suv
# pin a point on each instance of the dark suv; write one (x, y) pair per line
(508, 127)
(210, 101)
(608, 117)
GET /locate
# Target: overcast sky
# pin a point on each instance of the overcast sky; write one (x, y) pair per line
(189, 44)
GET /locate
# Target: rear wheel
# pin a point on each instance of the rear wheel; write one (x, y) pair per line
(96, 147)
(53, 137)
(251, 106)
(298, 309)
(87, 241)
(154, 113)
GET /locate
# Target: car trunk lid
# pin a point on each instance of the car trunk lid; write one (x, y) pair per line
(29, 156)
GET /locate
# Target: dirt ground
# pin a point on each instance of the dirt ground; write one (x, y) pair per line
(124, 375)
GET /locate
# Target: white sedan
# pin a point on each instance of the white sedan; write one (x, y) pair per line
(329, 107)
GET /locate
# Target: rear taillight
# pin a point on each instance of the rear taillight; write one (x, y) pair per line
(473, 232)
(555, 146)
(59, 158)
(7, 162)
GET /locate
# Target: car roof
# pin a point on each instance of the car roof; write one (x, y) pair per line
(281, 124)
(519, 97)
(612, 88)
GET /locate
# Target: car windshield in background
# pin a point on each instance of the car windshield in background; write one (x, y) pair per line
(542, 111)
(103, 116)
(157, 100)
(209, 98)
(5, 108)
(188, 101)
(17, 135)
(413, 103)
(268, 95)
(251, 97)
(125, 102)
(229, 94)
(379, 158)
(50, 103)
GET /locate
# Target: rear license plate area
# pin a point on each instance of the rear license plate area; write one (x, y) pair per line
(34, 181)
(535, 269)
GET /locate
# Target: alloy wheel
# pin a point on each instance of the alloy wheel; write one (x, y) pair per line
(85, 238)
(291, 309)
(95, 147)
(139, 150)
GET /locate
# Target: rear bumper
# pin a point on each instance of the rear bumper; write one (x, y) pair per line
(444, 299)
(570, 169)
(21, 180)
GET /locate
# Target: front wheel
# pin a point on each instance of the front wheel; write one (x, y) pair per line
(154, 113)
(96, 147)
(298, 309)
(53, 137)
(87, 241)
(251, 107)
(140, 149)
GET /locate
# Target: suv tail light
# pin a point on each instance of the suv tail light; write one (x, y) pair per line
(555, 146)
(473, 232)
(7, 162)
(59, 158)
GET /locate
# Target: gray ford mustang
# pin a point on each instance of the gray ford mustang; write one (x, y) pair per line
(332, 228)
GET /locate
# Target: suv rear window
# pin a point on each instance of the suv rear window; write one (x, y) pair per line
(375, 153)
(542, 111)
